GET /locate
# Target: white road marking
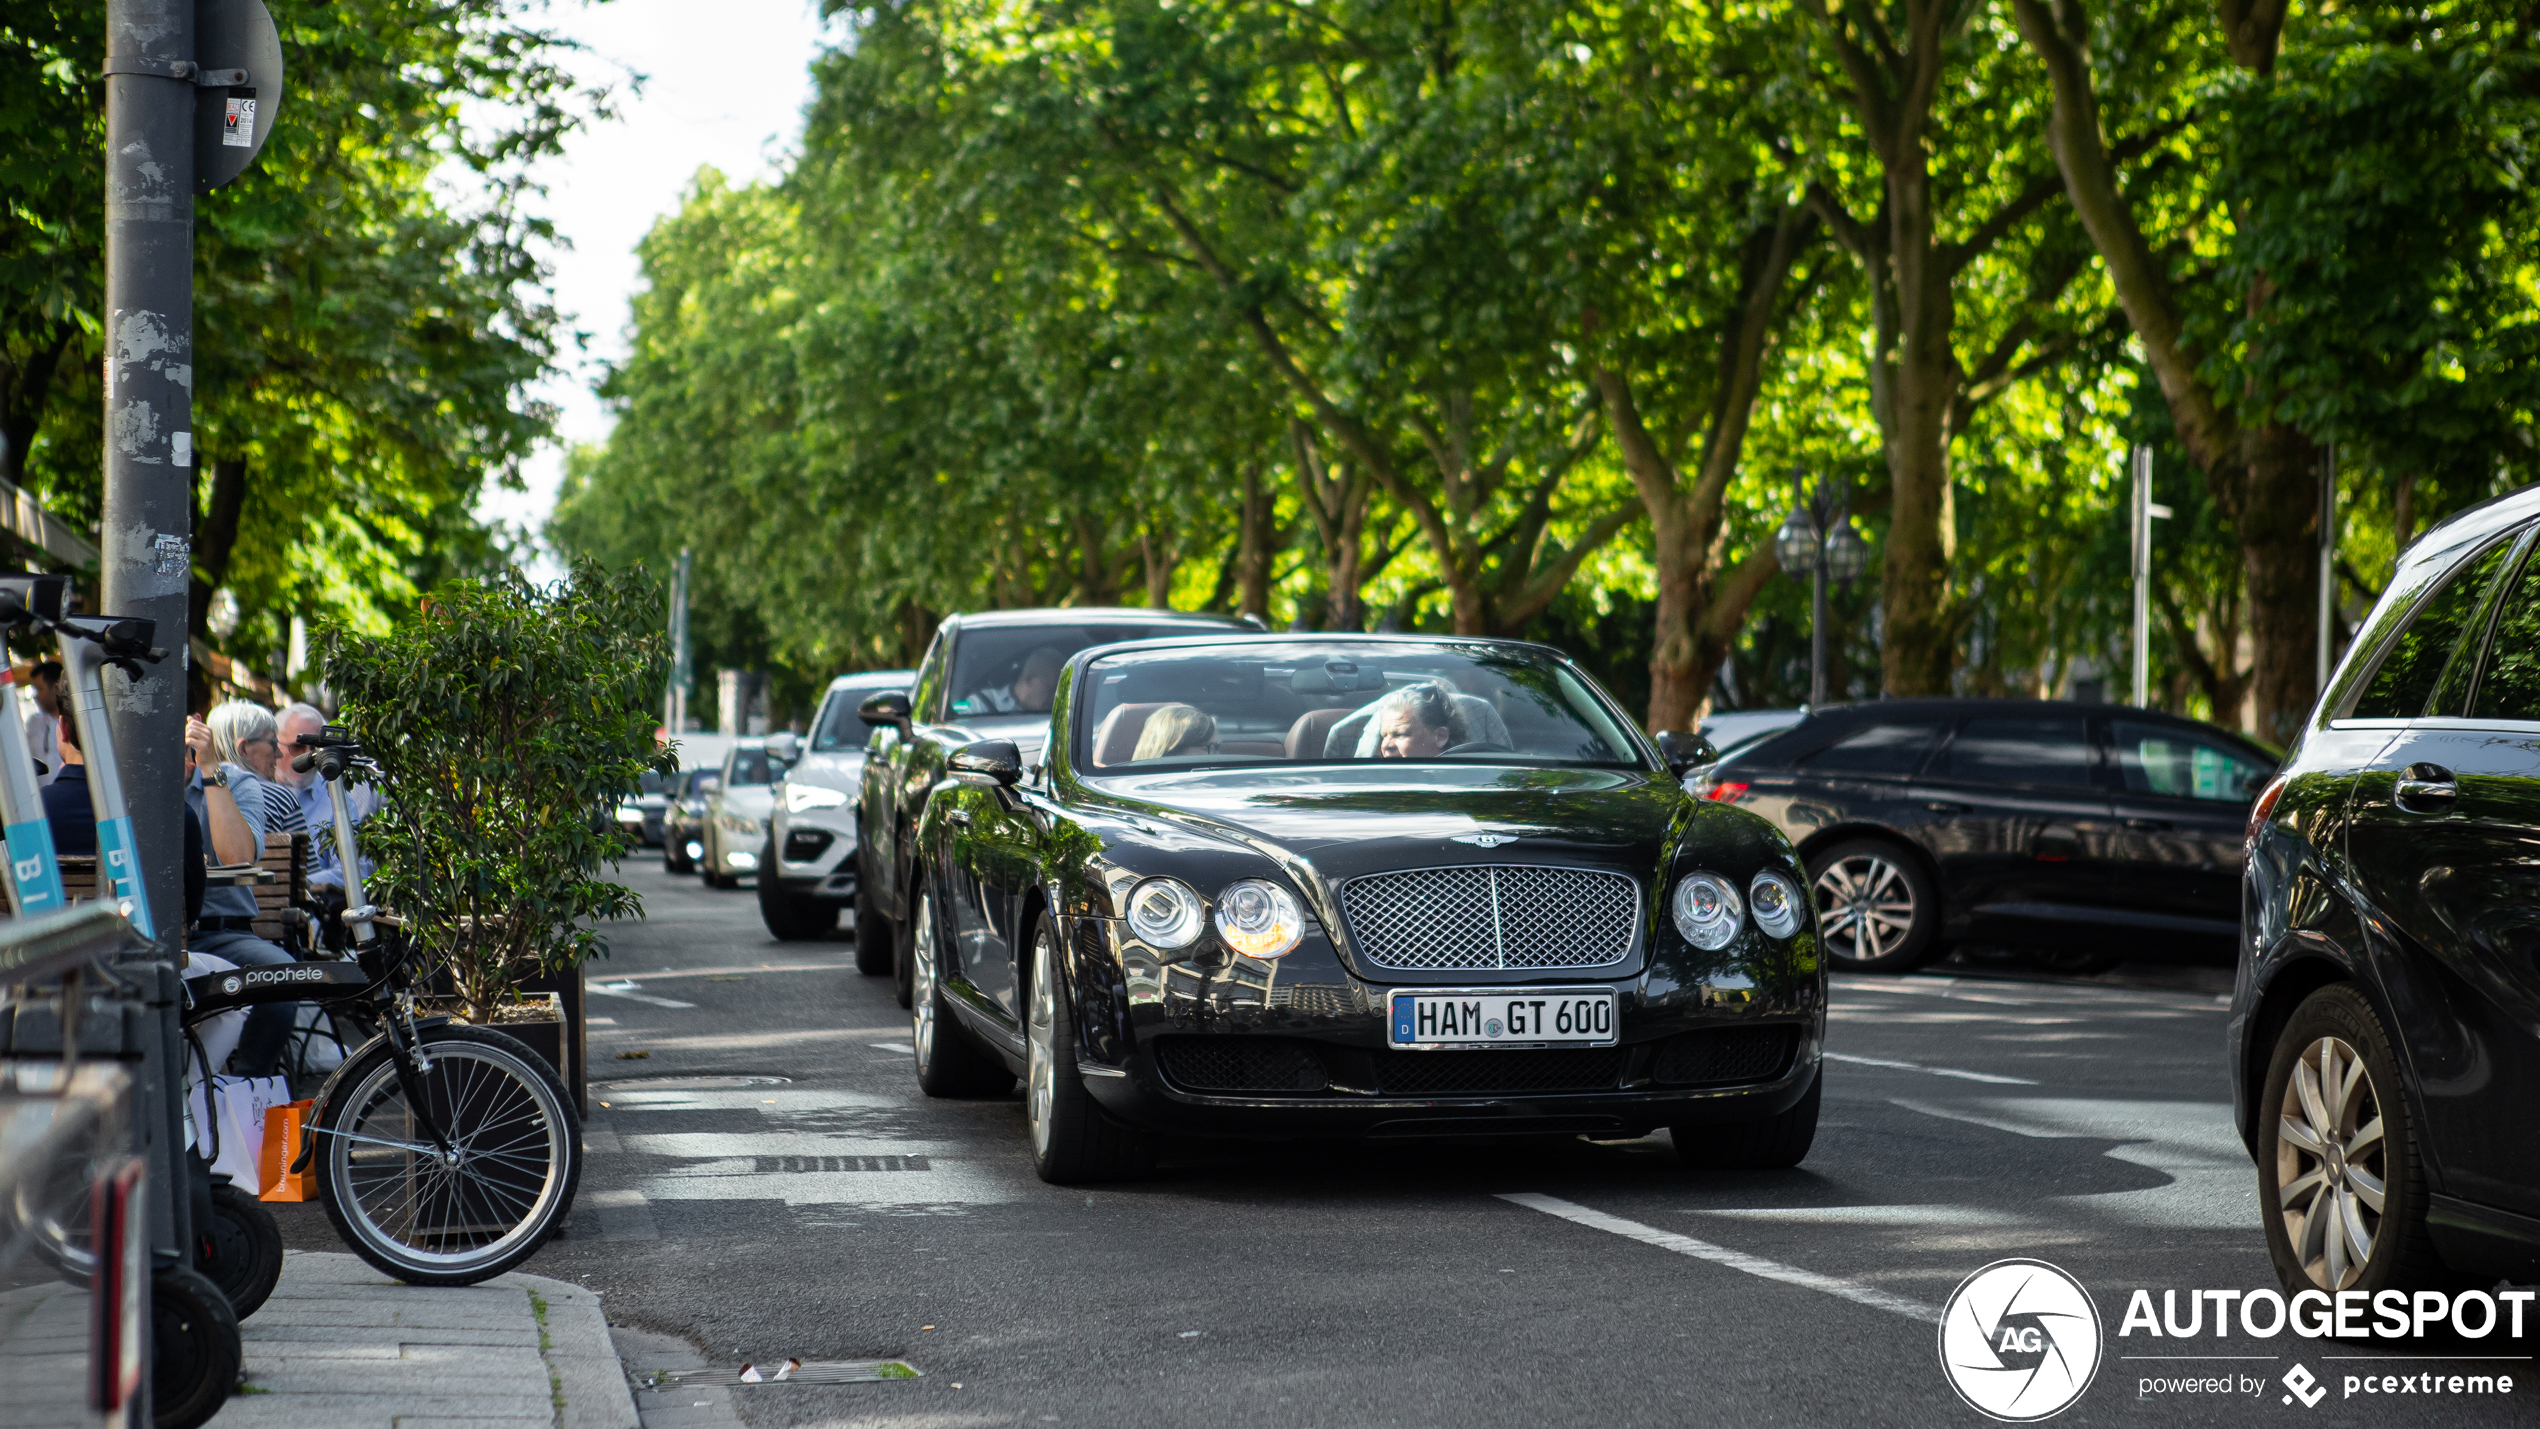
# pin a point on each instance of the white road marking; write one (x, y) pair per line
(750, 968)
(1935, 1071)
(627, 990)
(2195, 1144)
(1721, 1255)
(894, 1047)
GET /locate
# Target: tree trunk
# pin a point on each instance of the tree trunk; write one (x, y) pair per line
(1156, 554)
(2278, 523)
(1919, 637)
(1256, 543)
(215, 541)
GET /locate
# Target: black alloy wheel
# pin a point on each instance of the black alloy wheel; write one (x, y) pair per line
(791, 917)
(1074, 1141)
(904, 949)
(1778, 1141)
(673, 860)
(949, 1063)
(242, 1248)
(1877, 911)
(2341, 1183)
(874, 939)
(195, 1356)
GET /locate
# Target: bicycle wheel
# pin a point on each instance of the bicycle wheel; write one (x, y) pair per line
(435, 1219)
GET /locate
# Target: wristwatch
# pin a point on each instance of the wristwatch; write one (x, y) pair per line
(217, 779)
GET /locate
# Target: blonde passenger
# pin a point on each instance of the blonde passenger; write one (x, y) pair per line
(1174, 729)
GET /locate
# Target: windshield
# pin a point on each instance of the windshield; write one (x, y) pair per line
(756, 766)
(839, 728)
(1317, 701)
(1013, 670)
(701, 782)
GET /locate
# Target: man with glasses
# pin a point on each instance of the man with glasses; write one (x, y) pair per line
(299, 725)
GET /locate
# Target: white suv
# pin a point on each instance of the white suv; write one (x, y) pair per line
(807, 871)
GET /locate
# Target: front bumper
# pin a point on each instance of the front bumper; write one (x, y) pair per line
(1232, 1047)
(815, 852)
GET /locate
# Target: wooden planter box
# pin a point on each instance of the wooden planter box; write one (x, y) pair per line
(555, 1038)
(570, 1042)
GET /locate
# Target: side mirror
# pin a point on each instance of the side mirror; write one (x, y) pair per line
(890, 707)
(993, 759)
(1684, 750)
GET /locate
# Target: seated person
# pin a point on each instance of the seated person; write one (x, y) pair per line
(1174, 729)
(223, 919)
(1415, 722)
(1034, 687)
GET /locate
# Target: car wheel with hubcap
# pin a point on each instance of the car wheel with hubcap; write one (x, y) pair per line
(1876, 909)
(1775, 1142)
(2340, 1182)
(1074, 1141)
(949, 1064)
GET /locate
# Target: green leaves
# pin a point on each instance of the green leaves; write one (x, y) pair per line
(507, 720)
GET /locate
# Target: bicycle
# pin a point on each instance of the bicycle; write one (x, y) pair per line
(445, 1154)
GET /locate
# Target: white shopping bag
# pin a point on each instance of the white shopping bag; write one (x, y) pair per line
(229, 1124)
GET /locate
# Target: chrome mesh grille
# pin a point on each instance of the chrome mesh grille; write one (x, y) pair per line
(1492, 917)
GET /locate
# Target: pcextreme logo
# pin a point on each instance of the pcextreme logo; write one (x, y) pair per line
(2020, 1340)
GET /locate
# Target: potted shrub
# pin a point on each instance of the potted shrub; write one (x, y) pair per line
(507, 719)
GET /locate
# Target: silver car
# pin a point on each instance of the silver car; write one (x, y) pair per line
(738, 809)
(807, 867)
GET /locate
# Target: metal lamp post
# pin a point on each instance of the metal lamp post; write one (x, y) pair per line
(1817, 541)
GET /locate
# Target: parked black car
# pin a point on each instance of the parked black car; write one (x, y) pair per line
(2385, 1029)
(2079, 831)
(684, 823)
(1274, 886)
(985, 676)
(644, 807)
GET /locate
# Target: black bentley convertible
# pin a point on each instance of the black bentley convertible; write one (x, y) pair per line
(1269, 886)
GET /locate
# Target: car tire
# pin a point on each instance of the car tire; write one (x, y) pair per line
(1877, 911)
(874, 939)
(949, 1063)
(791, 917)
(903, 946)
(1074, 1141)
(671, 862)
(2312, 1232)
(1778, 1141)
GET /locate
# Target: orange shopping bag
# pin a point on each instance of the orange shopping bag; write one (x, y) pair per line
(281, 1148)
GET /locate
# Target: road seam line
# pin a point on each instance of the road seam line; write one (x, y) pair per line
(1721, 1255)
(1935, 1071)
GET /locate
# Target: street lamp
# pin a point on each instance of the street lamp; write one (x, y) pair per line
(1817, 541)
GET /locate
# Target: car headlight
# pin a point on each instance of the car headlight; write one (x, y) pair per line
(1164, 913)
(1707, 910)
(1259, 919)
(799, 797)
(1775, 900)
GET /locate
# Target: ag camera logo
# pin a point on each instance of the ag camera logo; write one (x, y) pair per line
(2020, 1340)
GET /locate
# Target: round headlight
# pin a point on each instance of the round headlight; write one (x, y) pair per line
(1707, 910)
(1776, 903)
(1259, 919)
(1164, 913)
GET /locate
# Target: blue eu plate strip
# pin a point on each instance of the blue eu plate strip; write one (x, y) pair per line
(1403, 1031)
(32, 868)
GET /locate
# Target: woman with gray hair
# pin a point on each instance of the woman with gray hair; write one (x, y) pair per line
(250, 749)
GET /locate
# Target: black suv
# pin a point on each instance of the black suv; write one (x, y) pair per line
(2078, 831)
(986, 676)
(2385, 1031)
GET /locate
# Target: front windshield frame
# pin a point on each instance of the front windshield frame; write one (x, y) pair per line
(1077, 711)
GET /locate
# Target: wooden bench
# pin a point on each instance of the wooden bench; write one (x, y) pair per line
(280, 879)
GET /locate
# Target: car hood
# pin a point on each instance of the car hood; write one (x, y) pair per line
(1352, 819)
(756, 800)
(841, 770)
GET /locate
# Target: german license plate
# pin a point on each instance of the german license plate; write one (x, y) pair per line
(1501, 1017)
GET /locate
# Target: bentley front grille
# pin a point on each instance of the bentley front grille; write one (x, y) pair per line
(1493, 917)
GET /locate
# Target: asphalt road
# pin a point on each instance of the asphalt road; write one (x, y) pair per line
(766, 1180)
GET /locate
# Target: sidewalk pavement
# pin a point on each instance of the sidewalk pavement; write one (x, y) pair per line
(341, 1346)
